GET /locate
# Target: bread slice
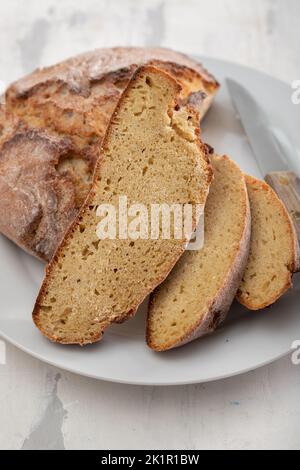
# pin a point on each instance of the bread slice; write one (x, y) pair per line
(196, 296)
(152, 154)
(273, 251)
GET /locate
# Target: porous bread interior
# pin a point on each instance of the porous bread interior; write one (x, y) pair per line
(94, 283)
(272, 250)
(182, 302)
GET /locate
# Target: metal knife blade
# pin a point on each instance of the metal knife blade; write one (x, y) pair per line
(271, 146)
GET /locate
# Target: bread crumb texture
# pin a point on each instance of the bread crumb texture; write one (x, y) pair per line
(150, 159)
(197, 294)
(273, 253)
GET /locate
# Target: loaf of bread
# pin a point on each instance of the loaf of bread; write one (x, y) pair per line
(198, 293)
(274, 252)
(151, 153)
(51, 127)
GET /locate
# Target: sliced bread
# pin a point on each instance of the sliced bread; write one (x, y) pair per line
(273, 251)
(151, 153)
(196, 296)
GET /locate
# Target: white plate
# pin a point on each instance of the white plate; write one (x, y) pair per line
(246, 341)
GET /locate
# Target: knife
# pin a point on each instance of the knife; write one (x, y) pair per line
(277, 158)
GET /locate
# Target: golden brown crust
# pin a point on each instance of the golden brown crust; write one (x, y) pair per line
(75, 100)
(25, 223)
(259, 185)
(79, 72)
(58, 255)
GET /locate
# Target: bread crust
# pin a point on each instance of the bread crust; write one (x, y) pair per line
(26, 221)
(204, 149)
(75, 100)
(220, 305)
(81, 71)
(293, 267)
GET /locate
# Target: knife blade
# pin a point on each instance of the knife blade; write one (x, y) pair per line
(277, 158)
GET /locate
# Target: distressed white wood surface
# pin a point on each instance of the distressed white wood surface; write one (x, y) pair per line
(43, 407)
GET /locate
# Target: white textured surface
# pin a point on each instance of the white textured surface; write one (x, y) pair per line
(42, 407)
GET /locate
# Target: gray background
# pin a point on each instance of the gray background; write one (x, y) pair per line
(42, 407)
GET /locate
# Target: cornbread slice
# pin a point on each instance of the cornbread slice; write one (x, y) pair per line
(152, 154)
(273, 250)
(196, 296)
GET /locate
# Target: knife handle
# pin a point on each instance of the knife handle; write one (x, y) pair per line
(287, 186)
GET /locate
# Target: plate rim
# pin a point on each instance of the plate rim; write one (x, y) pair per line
(139, 383)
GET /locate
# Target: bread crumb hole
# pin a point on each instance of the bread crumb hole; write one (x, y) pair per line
(45, 308)
(96, 244)
(149, 82)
